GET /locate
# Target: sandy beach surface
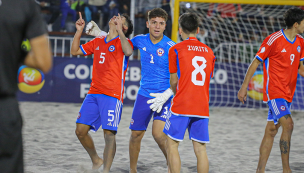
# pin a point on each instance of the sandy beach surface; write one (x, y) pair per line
(51, 146)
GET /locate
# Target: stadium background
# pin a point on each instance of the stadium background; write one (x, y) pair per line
(233, 30)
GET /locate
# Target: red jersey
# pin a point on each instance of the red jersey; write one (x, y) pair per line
(193, 62)
(281, 59)
(109, 66)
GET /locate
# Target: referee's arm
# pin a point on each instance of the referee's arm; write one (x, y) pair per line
(40, 56)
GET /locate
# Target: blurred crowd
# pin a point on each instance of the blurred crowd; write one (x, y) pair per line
(60, 15)
(219, 22)
(226, 23)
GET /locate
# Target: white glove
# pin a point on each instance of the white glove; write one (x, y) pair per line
(159, 100)
(93, 30)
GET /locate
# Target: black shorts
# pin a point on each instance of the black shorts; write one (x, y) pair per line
(11, 149)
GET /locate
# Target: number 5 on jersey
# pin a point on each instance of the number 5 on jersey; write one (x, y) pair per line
(102, 58)
(198, 69)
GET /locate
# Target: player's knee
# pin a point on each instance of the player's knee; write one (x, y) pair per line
(109, 135)
(136, 135)
(159, 137)
(80, 133)
(199, 149)
(272, 132)
(288, 125)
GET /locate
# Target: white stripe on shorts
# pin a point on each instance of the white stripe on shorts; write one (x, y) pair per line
(174, 138)
(275, 108)
(199, 140)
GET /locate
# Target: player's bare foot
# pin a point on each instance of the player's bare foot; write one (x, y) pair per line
(98, 164)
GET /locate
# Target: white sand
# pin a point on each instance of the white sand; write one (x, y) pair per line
(50, 143)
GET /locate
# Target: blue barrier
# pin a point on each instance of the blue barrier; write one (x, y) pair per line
(70, 79)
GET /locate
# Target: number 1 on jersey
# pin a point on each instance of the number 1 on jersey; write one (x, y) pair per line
(152, 62)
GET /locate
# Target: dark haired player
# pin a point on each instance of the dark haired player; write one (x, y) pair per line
(154, 49)
(281, 53)
(103, 104)
(191, 65)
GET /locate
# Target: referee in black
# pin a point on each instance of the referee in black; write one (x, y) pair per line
(19, 19)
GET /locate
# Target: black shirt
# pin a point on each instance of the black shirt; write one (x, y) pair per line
(19, 19)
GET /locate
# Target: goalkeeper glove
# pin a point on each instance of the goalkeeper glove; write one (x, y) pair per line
(93, 30)
(159, 100)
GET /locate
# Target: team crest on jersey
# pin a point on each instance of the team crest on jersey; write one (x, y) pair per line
(283, 108)
(132, 121)
(111, 48)
(299, 49)
(263, 50)
(79, 115)
(160, 51)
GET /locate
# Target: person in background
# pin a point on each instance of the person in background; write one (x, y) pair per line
(65, 8)
(19, 19)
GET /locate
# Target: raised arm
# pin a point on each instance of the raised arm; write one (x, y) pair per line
(242, 94)
(126, 47)
(75, 49)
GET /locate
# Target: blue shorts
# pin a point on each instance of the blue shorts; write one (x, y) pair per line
(100, 109)
(176, 126)
(142, 113)
(277, 109)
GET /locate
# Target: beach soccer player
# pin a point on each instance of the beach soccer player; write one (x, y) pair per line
(154, 48)
(103, 103)
(191, 66)
(280, 53)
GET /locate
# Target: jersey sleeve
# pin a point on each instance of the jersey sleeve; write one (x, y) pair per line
(265, 49)
(131, 43)
(35, 25)
(134, 45)
(172, 60)
(88, 48)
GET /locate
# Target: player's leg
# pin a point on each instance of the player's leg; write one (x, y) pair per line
(173, 155)
(11, 147)
(87, 119)
(158, 126)
(134, 148)
(175, 128)
(287, 128)
(199, 134)
(88, 144)
(159, 136)
(110, 109)
(201, 156)
(140, 119)
(267, 141)
(109, 150)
